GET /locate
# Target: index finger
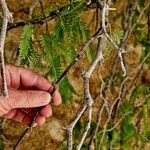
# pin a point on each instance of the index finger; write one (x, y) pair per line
(23, 78)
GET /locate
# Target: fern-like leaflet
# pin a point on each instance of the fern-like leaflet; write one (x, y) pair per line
(25, 46)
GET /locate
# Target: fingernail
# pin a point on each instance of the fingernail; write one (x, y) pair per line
(45, 97)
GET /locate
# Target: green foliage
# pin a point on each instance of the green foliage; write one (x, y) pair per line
(25, 45)
(28, 57)
(83, 147)
(145, 118)
(145, 132)
(116, 36)
(55, 7)
(128, 133)
(51, 56)
(70, 30)
(136, 92)
(146, 47)
(66, 90)
(59, 47)
(35, 60)
(47, 11)
(115, 138)
(147, 100)
(104, 144)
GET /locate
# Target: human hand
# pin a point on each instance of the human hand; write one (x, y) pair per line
(27, 90)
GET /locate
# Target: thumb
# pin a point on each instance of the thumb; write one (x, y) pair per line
(28, 98)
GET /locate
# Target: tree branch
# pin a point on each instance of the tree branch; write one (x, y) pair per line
(7, 16)
(87, 96)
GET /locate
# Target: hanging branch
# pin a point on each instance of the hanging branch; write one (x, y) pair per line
(7, 16)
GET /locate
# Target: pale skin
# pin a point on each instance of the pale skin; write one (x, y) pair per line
(27, 90)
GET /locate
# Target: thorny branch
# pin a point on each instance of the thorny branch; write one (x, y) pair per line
(87, 102)
(7, 16)
(87, 97)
